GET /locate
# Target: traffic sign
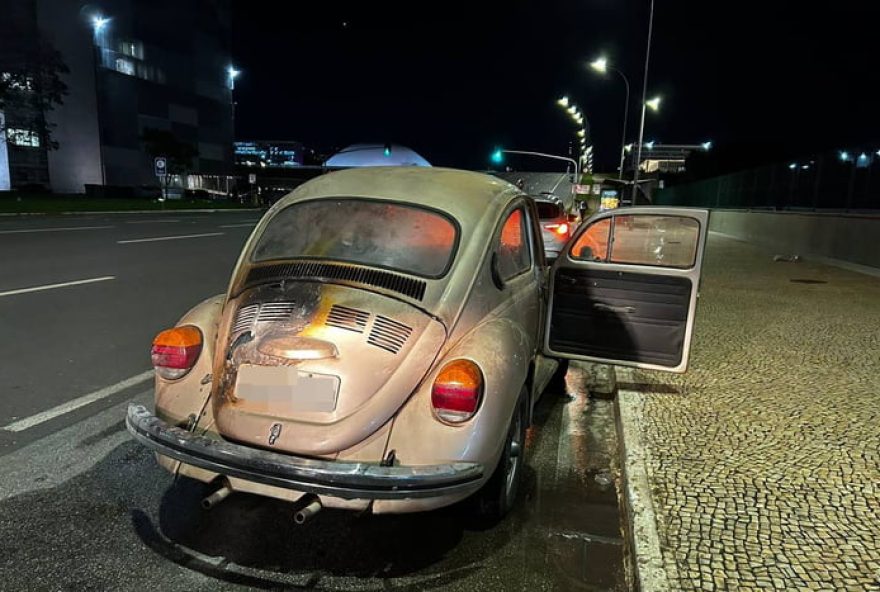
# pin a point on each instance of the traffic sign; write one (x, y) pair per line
(160, 165)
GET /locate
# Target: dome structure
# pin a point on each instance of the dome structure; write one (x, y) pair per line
(367, 155)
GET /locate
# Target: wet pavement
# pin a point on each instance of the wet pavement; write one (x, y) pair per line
(86, 508)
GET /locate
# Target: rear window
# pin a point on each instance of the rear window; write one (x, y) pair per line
(379, 234)
(548, 210)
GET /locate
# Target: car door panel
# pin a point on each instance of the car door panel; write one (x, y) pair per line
(636, 313)
(600, 312)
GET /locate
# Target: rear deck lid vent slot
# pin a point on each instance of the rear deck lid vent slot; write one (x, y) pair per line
(245, 318)
(347, 318)
(275, 311)
(388, 334)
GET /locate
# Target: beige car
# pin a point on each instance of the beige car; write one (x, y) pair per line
(387, 332)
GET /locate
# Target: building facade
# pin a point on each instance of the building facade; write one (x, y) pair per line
(136, 67)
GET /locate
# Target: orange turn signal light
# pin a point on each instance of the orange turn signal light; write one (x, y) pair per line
(175, 351)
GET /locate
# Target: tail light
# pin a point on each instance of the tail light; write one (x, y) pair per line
(560, 229)
(457, 391)
(176, 350)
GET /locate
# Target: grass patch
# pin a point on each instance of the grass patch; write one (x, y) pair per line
(48, 204)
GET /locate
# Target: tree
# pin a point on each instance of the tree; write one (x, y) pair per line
(31, 83)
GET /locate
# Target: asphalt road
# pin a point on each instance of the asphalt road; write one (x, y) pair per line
(83, 507)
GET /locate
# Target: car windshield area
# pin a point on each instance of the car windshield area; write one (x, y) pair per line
(374, 233)
(548, 210)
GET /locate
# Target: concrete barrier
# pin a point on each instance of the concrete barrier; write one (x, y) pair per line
(846, 240)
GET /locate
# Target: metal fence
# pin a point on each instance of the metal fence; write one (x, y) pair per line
(841, 181)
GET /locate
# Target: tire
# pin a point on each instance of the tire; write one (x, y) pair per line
(501, 491)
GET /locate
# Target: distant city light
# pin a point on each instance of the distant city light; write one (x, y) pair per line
(233, 73)
(805, 166)
(863, 156)
(706, 145)
(600, 65)
(793, 166)
(582, 133)
(653, 104)
(844, 156)
(99, 22)
(498, 156)
(649, 145)
(628, 147)
(563, 102)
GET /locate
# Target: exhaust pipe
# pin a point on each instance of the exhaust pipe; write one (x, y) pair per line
(308, 511)
(217, 497)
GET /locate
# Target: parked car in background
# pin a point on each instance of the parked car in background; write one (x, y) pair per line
(389, 358)
(555, 225)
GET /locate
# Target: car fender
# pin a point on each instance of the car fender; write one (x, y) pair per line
(501, 349)
(183, 401)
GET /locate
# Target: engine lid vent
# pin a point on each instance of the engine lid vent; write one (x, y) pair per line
(387, 280)
(275, 311)
(245, 318)
(347, 318)
(388, 334)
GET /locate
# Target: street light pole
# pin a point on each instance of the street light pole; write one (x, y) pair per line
(625, 115)
(644, 96)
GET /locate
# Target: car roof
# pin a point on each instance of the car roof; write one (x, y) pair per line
(465, 195)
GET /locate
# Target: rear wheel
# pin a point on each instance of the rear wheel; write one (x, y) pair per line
(500, 492)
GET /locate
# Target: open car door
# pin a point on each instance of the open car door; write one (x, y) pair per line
(624, 289)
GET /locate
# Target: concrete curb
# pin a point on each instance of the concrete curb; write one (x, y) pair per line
(650, 572)
(10, 214)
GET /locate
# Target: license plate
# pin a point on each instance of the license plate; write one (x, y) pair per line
(284, 388)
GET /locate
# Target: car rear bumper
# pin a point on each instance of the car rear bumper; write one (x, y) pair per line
(347, 480)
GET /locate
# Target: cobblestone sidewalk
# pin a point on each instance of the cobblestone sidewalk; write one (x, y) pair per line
(763, 461)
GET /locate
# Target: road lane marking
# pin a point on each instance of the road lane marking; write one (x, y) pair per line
(237, 225)
(150, 221)
(53, 286)
(25, 230)
(29, 422)
(164, 238)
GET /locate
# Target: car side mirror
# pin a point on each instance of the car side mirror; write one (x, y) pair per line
(496, 272)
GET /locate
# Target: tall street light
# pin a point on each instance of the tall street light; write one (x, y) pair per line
(601, 65)
(644, 104)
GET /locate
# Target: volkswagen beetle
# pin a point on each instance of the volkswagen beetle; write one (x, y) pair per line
(387, 332)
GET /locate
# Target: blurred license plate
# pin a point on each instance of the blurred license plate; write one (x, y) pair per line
(287, 388)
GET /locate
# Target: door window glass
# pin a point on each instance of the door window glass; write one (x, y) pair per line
(667, 241)
(592, 245)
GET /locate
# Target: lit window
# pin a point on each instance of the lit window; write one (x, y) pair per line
(23, 137)
(124, 66)
(17, 82)
(133, 49)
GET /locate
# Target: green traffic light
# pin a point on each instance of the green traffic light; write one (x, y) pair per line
(498, 156)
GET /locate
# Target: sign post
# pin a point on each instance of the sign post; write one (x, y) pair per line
(160, 167)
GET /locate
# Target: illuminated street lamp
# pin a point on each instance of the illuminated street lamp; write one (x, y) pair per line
(707, 145)
(232, 74)
(653, 104)
(600, 65)
(563, 102)
(99, 22)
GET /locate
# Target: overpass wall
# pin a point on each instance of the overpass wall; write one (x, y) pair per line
(851, 241)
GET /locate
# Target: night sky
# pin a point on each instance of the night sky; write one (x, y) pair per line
(762, 80)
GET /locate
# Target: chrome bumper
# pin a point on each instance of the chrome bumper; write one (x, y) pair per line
(348, 480)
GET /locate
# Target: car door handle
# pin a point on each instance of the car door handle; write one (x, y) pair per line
(609, 308)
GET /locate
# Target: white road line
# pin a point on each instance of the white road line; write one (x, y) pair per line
(23, 231)
(29, 422)
(150, 221)
(164, 238)
(53, 286)
(238, 225)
